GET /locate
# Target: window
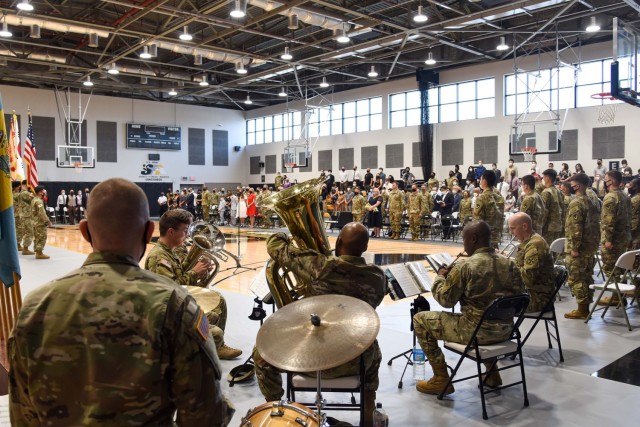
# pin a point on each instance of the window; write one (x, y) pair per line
(276, 128)
(354, 116)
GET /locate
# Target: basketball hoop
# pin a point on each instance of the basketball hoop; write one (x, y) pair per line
(528, 153)
(78, 167)
(289, 167)
(607, 111)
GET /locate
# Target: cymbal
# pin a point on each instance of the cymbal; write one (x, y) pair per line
(206, 298)
(290, 341)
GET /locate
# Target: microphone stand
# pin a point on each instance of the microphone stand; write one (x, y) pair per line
(407, 354)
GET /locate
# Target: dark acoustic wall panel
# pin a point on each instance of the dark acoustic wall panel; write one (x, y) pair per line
(302, 159)
(270, 164)
(44, 135)
(485, 148)
(325, 160)
(394, 156)
(608, 142)
(369, 157)
(568, 146)
(345, 158)
(196, 146)
(415, 155)
(254, 165)
(452, 152)
(106, 142)
(74, 126)
(220, 142)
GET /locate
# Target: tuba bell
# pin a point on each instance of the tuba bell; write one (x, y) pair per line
(298, 209)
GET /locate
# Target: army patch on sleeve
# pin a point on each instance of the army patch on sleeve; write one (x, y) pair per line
(202, 325)
(165, 263)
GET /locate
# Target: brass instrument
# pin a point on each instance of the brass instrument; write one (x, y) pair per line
(208, 245)
(450, 267)
(298, 208)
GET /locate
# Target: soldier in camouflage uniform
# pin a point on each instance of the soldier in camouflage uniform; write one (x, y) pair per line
(122, 346)
(15, 192)
(25, 198)
(583, 235)
(166, 259)
(475, 282)
(357, 206)
(634, 192)
(433, 181)
(347, 273)
(427, 201)
(532, 203)
(206, 203)
(534, 261)
(552, 225)
(265, 212)
(278, 181)
(490, 207)
(615, 226)
(396, 207)
(38, 221)
(415, 212)
(215, 199)
(465, 208)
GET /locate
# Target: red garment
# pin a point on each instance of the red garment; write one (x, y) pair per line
(251, 205)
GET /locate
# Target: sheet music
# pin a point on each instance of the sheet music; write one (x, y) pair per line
(419, 272)
(259, 286)
(403, 283)
(438, 260)
(368, 257)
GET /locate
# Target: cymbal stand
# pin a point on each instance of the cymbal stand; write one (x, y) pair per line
(407, 354)
(320, 402)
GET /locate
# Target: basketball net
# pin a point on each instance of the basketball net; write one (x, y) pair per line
(607, 111)
(528, 153)
(78, 167)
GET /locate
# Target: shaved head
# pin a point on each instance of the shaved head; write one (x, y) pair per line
(521, 226)
(353, 240)
(476, 235)
(118, 218)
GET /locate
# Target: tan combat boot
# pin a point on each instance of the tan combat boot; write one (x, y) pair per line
(20, 248)
(580, 313)
(396, 236)
(227, 353)
(26, 251)
(40, 255)
(492, 380)
(436, 384)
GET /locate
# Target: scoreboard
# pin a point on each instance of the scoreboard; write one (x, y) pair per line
(153, 137)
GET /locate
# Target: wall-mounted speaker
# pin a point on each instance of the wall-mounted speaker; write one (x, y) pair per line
(261, 164)
(154, 157)
(237, 148)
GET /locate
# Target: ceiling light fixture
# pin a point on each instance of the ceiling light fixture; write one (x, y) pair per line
(88, 82)
(35, 31)
(153, 50)
(239, 9)
(373, 73)
(420, 17)
(430, 60)
(324, 82)
(144, 80)
(282, 93)
(172, 92)
(113, 69)
(240, 68)
(286, 55)
(593, 26)
(503, 44)
(25, 5)
(5, 29)
(204, 81)
(145, 53)
(185, 36)
(293, 22)
(94, 40)
(248, 101)
(341, 35)
(197, 59)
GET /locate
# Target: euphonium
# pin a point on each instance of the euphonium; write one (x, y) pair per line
(298, 209)
(208, 241)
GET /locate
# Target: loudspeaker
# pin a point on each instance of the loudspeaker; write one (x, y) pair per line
(237, 148)
(154, 157)
(261, 164)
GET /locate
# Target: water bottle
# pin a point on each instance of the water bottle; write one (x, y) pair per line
(418, 363)
(380, 418)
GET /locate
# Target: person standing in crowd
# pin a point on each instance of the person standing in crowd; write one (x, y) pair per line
(502, 187)
(71, 207)
(479, 171)
(553, 221)
(564, 173)
(466, 211)
(252, 211)
(62, 203)
(446, 209)
(375, 212)
(415, 210)
(222, 208)
(408, 177)
(474, 282)
(162, 203)
(534, 261)
(357, 206)
(494, 168)
(600, 169)
(103, 317)
(265, 212)
(489, 207)
(80, 205)
(39, 223)
(532, 203)
(22, 208)
(344, 177)
(242, 208)
(368, 180)
(396, 207)
(583, 235)
(456, 170)
(357, 177)
(233, 208)
(471, 175)
(634, 193)
(278, 181)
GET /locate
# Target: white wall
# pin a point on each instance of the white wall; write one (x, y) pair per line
(123, 111)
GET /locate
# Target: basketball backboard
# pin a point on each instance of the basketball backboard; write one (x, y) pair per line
(624, 68)
(545, 136)
(71, 156)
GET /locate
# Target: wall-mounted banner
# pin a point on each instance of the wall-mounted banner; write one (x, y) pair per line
(153, 171)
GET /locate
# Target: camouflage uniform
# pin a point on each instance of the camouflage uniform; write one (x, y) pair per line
(427, 204)
(554, 213)
(415, 214)
(465, 209)
(475, 282)
(580, 227)
(615, 227)
(433, 182)
(206, 205)
(343, 275)
(265, 212)
(539, 187)
(121, 347)
(163, 261)
(490, 208)
(396, 206)
(536, 266)
(533, 205)
(278, 181)
(38, 222)
(215, 198)
(357, 207)
(635, 222)
(25, 226)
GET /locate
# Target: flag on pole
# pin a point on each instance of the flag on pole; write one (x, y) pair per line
(17, 169)
(31, 168)
(9, 265)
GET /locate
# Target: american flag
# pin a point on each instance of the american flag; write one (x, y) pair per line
(29, 157)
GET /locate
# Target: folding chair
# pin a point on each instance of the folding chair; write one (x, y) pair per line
(51, 213)
(353, 384)
(625, 268)
(436, 225)
(504, 309)
(557, 250)
(548, 313)
(456, 226)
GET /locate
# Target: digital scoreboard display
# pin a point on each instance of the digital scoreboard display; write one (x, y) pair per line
(152, 137)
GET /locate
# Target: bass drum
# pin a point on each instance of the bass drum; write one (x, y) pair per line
(280, 413)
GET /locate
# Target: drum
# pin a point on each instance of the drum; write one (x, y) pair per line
(280, 413)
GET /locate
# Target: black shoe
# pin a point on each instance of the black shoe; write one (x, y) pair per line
(373, 234)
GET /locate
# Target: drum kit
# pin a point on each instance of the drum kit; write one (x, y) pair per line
(311, 335)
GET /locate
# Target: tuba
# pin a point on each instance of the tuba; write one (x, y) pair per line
(207, 243)
(298, 209)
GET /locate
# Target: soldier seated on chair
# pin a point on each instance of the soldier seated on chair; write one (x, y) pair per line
(474, 282)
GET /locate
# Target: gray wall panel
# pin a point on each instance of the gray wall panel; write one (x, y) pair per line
(485, 148)
(345, 158)
(44, 134)
(196, 146)
(302, 158)
(325, 160)
(452, 152)
(369, 157)
(608, 142)
(254, 167)
(270, 164)
(394, 156)
(415, 155)
(106, 142)
(568, 147)
(220, 142)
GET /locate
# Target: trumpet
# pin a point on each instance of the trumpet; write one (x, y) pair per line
(448, 268)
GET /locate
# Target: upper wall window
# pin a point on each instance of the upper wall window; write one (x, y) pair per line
(276, 128)
(348, 117)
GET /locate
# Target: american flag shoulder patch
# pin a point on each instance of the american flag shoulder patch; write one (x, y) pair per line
(166, 263)
(202, 325)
